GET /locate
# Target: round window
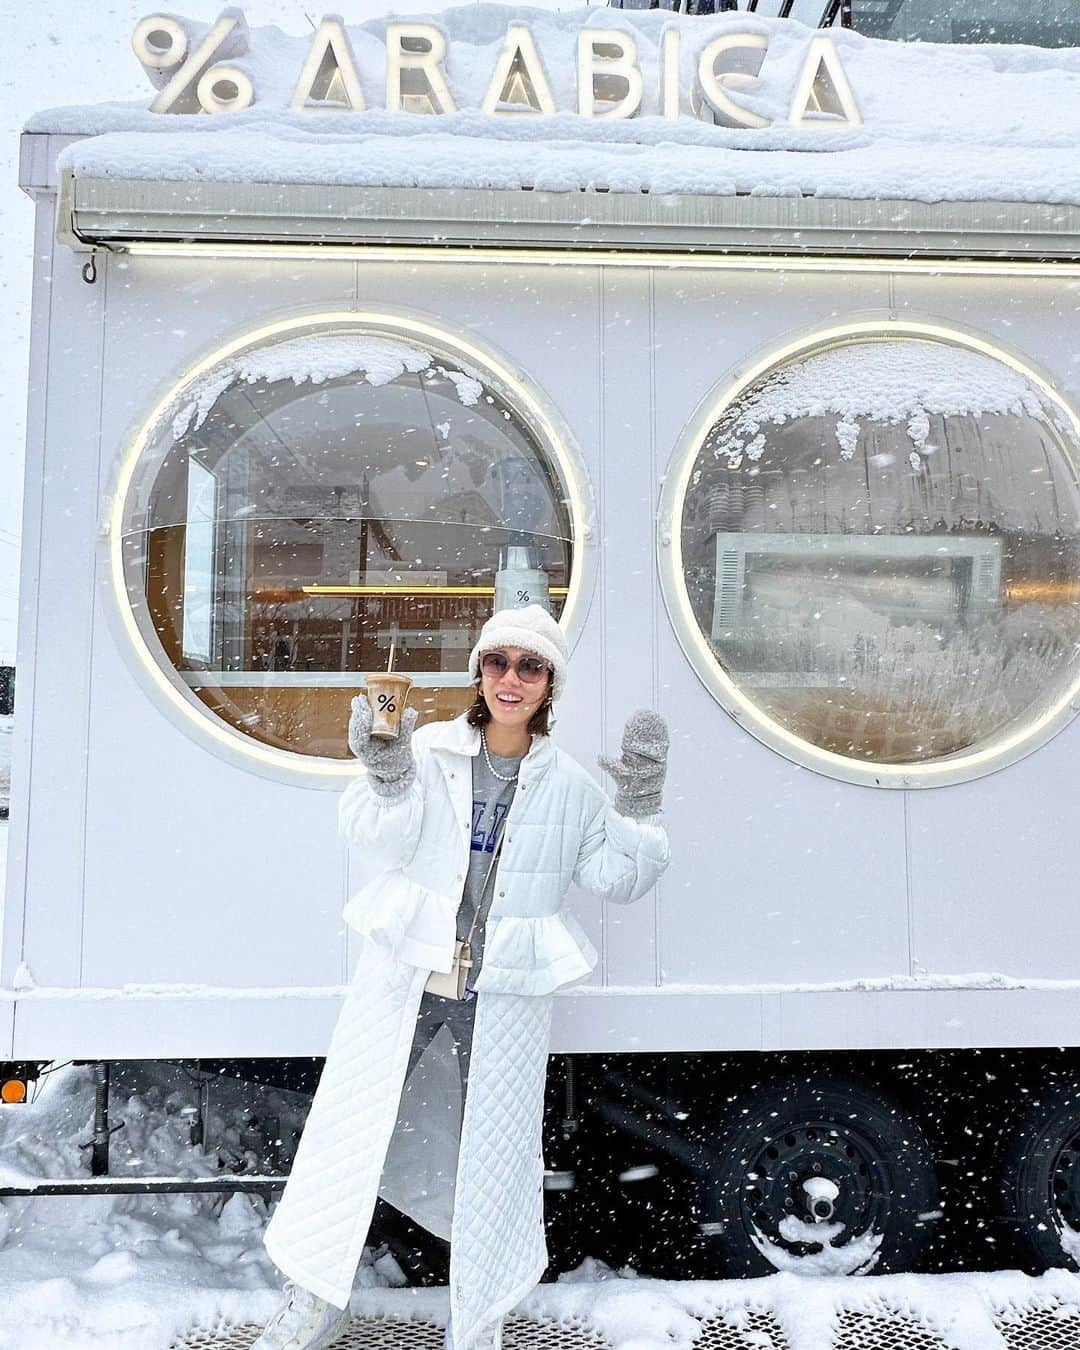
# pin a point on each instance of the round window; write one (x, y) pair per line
(875, 550)
(312, 501)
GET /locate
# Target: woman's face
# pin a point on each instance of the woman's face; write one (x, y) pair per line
(511, 700)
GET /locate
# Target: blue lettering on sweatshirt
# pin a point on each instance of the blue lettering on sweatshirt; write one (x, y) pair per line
(484, 841)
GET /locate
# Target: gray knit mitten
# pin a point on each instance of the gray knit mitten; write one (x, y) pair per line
(639, 773)
(390, 764)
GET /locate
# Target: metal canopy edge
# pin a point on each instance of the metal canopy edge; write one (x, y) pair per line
(115, 212)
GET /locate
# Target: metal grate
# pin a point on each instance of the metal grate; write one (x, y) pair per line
(1043, 1325)
(884, 1330)
(386, 1333)
(755, 1328)
(1048, 1327)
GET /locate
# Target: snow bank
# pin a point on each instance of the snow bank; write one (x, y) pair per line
(939, 122)
(135, 1272)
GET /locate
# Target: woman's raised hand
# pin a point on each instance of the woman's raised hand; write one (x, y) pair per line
(390, 764)
(640, 770)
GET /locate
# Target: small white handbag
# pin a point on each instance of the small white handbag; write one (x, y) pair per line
(451, 983)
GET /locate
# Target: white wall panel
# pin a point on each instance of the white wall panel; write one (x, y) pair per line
(13, 902)
(197, 870)
(778, 874)
(629, 616)
(153, 861)
(994, 862)
(59, 608)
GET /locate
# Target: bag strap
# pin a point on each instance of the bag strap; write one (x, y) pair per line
(487, 878)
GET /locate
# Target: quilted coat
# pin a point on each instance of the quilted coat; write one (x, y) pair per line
(561, 829)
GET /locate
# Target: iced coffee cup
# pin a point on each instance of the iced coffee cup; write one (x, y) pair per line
(387, 694)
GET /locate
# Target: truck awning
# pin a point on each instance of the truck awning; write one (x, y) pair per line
(120, 213)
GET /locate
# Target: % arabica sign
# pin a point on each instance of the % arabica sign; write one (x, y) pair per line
(201, 76)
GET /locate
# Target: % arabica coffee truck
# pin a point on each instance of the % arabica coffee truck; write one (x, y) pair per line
(744, 343)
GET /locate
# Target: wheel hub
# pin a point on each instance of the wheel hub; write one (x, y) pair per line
(814, 1174)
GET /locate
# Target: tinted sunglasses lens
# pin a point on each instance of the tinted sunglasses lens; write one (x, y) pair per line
(530, 670)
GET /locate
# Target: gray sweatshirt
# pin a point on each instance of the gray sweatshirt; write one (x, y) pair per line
(491, 802)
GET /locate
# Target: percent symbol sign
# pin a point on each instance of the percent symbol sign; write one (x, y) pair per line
(198, 84)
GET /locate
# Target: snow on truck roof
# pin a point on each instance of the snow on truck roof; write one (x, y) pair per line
(628, 101)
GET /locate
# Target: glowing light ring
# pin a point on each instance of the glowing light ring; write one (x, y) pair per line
(554, 437)
(937, 773)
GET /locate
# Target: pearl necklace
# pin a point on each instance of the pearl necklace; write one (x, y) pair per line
(511, 778)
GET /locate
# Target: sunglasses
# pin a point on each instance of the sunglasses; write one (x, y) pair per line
(529, 669)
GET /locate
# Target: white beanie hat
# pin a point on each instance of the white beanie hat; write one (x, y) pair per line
(532, 629)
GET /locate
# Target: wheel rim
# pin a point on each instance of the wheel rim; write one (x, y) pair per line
(784, 1181)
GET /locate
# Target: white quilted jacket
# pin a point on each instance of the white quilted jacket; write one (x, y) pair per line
(370, 1131)
(561, 828)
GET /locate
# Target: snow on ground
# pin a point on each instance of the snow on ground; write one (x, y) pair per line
(135, 1272)
(939, 122)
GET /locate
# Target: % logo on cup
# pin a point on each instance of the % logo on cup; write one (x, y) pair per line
(387, 703)
(199, 82)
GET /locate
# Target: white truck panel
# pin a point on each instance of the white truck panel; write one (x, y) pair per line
(174, 904)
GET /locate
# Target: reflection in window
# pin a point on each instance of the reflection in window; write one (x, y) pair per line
(316, 501)
(881, 544)
(1036, 23)
(199, 562)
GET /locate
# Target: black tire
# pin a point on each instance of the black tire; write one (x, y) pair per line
(1038, 1176)
(784, 1132)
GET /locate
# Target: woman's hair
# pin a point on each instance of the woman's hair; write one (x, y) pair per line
(539, 724)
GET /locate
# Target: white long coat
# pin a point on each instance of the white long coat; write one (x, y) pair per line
(561, 828)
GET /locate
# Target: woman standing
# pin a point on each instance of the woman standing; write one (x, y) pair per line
(482, 824)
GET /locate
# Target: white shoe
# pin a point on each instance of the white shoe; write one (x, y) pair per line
(303, 1322)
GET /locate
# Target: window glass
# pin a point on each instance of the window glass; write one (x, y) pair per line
(310, 503)
(1041, 23)
(881, 547)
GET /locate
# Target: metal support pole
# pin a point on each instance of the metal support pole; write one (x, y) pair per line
(99, 1154)
(569, 1121)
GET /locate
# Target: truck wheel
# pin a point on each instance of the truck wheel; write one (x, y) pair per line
(1039, 1177)
(820, 1174)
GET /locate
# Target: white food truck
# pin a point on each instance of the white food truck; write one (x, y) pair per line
(748, 347)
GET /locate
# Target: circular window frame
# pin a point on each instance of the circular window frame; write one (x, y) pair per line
(668, 541)
(153, 670)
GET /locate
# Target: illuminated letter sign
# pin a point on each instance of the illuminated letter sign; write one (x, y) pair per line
(425, 55)
(329, 80)
(519, 84)
(823, 88)
(712, 84)
(610, 56)
(191, 76)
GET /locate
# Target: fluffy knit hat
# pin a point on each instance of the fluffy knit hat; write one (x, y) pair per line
(532, 629)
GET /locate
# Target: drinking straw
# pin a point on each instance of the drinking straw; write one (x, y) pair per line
(390, 663)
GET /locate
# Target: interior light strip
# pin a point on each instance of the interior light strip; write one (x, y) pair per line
(413, 590)
(675, 259)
